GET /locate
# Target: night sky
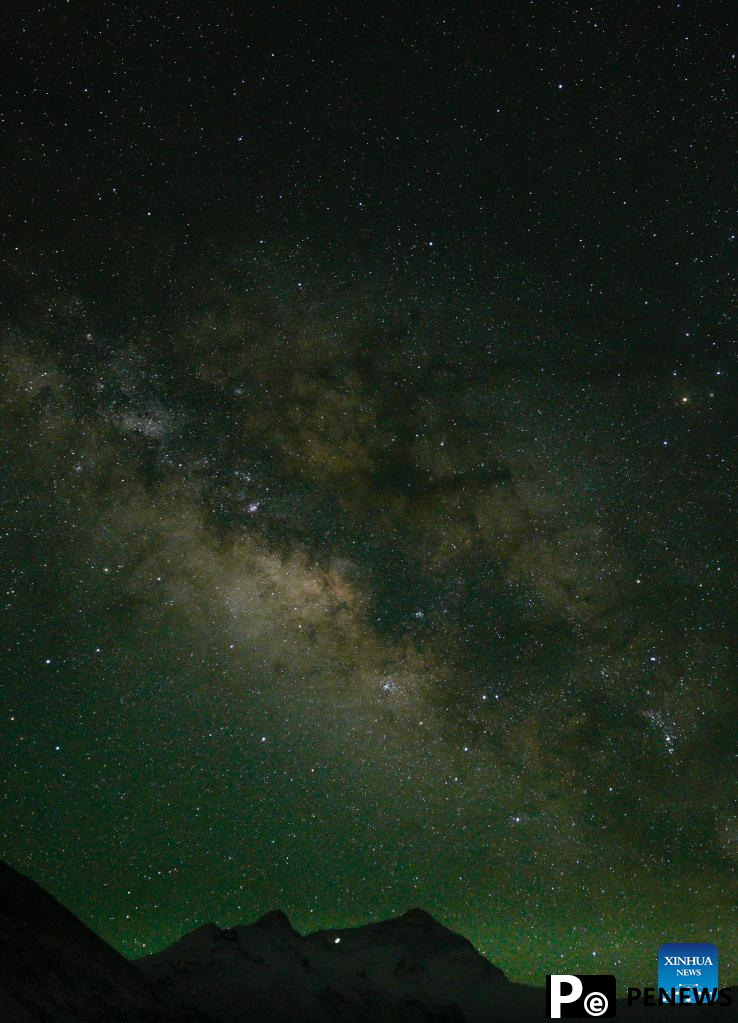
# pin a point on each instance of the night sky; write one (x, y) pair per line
(368, 507)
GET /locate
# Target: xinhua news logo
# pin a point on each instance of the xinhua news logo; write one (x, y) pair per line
(571, 996)
(688, 967)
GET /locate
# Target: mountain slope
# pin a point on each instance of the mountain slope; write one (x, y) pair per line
(414, 956)
(53, 969)
(267, 971)
(410, 969)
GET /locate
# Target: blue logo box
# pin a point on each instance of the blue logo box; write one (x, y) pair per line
(688, 964)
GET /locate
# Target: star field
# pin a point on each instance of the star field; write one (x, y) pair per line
(368, 455)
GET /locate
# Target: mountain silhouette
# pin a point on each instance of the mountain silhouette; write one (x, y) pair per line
(53, 969)
(409, 969)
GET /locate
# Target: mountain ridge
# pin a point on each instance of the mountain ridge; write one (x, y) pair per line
(407, 969)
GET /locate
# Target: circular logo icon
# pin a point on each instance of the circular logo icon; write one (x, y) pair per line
(595, 1004)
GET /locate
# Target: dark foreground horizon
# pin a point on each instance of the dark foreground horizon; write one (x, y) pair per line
(409, 969)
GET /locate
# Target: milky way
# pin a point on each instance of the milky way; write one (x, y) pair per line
(360, 553)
